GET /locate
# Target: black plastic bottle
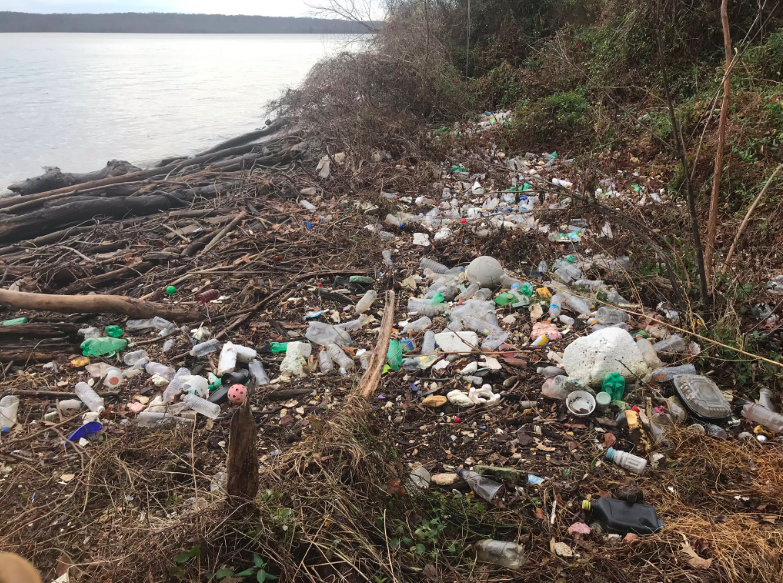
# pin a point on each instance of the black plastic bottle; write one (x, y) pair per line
(620, 517)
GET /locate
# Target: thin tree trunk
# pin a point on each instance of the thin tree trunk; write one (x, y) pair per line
(712, 224)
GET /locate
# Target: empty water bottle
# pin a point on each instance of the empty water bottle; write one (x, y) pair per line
(365, 303)
(202, 406)
(483, 487)
(610, 316)
(323, 334)
(364, 358)
(469, 292)
(550, 371)
(495, 552)
(668, 373)
(417, 325)
(103, 346)
(159, 369)
(425, 307)
(338, 356)
(9, 408)
(431, 264)
(256, 368)
(205, 348)
(89, 397)
(428, 344)
(325, 362)
(578, 305)
(555, 305)
(763, 416)
(132, 358)
(113, 378)
(673, 344)
(387, 257)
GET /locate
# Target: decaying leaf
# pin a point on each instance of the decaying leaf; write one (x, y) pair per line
(694, 559)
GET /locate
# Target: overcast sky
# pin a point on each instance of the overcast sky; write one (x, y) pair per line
(261, 7)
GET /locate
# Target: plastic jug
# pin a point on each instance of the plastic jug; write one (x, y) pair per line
(620, 517)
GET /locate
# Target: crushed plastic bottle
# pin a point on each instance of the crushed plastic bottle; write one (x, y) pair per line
(550, 371)
(135, 357)
(674, 344)
(159, 369)
(387, 258)
(339, 357)
(649, 353)
(205, 348)
(366, 301)
(103, 346)
(9, 408)
(14, 321)
(495, 552)
(256, 368)
(620, 517)
(323, 334)
(610, 316)
(554, 388)
(417, 325)
(763, 416)
(483, 487)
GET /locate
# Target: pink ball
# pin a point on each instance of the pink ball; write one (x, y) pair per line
(237, 394)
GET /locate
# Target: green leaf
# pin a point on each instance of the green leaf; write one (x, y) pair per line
(420, 548)
(407, 542)
(394, 543)
(178, 571)
(224, 573)
(258, 561)
(268, 576)
(246, 573)
(261, 576)
(185, 556)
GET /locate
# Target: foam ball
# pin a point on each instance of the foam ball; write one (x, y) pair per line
(485, 271)
(237, 394)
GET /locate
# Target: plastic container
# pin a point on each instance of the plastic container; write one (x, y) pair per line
(205, 348)
(428, 344)
(763, 416)
(9, 409)
(135, 357)
(256, 368)
(702, 397)
(628, 461)
(207, 296)
(202, 406)
(550, 371)
(602, 401)
(621, 517)
(104, 346)
(668, 373)
(483, 487)
(417, 325)
(325, 362)
(648, 353)
(580, 403)
(323, 334)
(553, 388)
(113, 378)
(674, 344)
(365, 303)
(337, 355)
(495, 552)
(89, 397)
(196, 385)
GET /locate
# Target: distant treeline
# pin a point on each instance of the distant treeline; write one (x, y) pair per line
(136, 22)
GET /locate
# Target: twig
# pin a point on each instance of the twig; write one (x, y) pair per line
(223, 232)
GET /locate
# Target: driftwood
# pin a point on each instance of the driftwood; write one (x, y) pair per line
(39, 329)
(242, 463)
(53, 178)
(95, 304)
(246, 138)
(372, 377)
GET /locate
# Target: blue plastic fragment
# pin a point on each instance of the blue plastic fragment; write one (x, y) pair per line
(84, 430)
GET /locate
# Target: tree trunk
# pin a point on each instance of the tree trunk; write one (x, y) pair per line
(53, 178)
(242, 464)
(712, 224)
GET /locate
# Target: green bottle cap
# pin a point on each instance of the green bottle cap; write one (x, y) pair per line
(171, 290)
(113, 331)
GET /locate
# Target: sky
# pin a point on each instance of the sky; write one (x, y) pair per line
(258, 7)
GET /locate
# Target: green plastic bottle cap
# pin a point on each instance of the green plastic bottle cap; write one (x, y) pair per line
(171, 290)
(113, 331)
(585, 504)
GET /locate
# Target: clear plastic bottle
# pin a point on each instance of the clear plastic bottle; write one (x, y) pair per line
(365, 303)
(202, 406)
(352, 325)
(113, 378)
(662, 375)
(425, 307)
(648, 353)
(567, 320)
(387, 258)
(427, 263)
(89, 397)
(554, 389)
(483, 487)
(550, 371)
(428, 344)
(338, 356)
(205, 348)
(159, 369)
(578, 305)
(135, 357)
(323, 334)
(417, 325)
(256, 368)
(673, 344)
(325, 362)
(469, 292)
(364, 358)
(542, 268)
(628, 461)
(767, 399)
(158, 419)
(555, 305)
(91, 332)
(610, 316)
(763, 416)
(9, 409)
(495, 552)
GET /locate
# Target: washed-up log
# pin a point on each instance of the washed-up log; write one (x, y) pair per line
(45, 220)
(113, 190)
(53, 178)
(242, 463)
(28, 355)
(248, 137)
(95, 304)
(103, 279)
(39, 330)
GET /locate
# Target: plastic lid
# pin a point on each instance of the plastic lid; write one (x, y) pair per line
(702, 397)
(585, 504)
(603, 398)
(610, 453)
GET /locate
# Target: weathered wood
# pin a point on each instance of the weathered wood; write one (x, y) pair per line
(101, 280)
(95, 304)
(39, 329)
(372, 377)
(242, 463)
(53, 178)
(25, 355)
(248, 137)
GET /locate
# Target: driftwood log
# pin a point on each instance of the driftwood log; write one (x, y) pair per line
(95, 304)
(53, 178)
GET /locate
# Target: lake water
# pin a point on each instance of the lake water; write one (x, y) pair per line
(78, 100)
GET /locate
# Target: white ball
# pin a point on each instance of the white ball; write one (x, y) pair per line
(485, 271)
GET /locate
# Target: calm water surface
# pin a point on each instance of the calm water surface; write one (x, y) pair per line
(78, 100)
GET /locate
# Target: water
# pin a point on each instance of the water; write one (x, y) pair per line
(78, 100)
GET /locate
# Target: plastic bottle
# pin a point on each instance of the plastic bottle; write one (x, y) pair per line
(483, 487)
(767, 399)
(205, 348)
(542, 268)
(431, 264)
(554, 389)
(159, 369)
(196, 385)
(763, 416)
(323, 334)
(610, 316)
(649, 354)
(550, 371)
(175, 386)
(337, 355)
(135, 357)
(425, 307)
(202, 406)
(207, 296)
(567, 320)
(387, 236)
(157, 419)
(578, 305)
(417, 325)
(9, 409)
(104, 346)
(614, 384)
(325, 362)
(91, 332)
(228, 359)
(256, 368)
(668, 373)
(14, 321)
(113, 378)
(428, 344)
(387, 257)
(555, 305)
(365, 303)
(472, 379)
(673, 344)
(508, 555)
(632, 463)
(364, 358)
(89, 397)
(469, 292)
(621, 517)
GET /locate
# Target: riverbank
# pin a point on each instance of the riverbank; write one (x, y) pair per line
(279, 229)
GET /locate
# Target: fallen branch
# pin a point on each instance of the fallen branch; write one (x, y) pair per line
(223, 232)
(95, 304)
(53, 178)
(372, 377)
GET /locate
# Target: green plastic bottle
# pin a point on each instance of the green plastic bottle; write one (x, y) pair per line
(278, 347)
(113, 331)
(14, 322)
(614, 384)
(526, 289)
(103, 346)
(394, 355)
(437, 299)
(361, 279)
